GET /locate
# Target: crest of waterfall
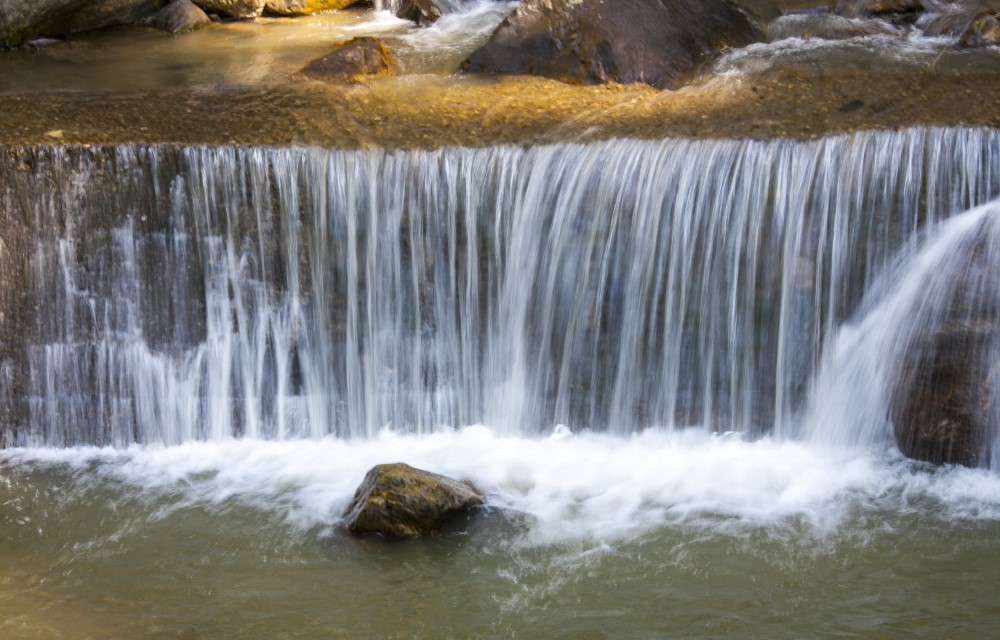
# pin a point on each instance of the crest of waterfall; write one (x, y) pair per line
(162, 294)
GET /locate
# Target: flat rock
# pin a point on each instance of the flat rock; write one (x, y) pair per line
(658, 42)
(364, 56)
(244, 9)
(306, 7)
(398, 501)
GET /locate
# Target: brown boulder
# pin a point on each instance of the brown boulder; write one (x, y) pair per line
(658, 42)
(423, 12)
(364, 56)
(398, 501)
(944, 404)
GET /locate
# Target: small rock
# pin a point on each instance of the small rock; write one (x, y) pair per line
(180, 16)
(423, 12)
(398, 501)
(55, 133)
(358, 57)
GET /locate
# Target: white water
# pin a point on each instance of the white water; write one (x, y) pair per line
(204, 293)
(560, 487)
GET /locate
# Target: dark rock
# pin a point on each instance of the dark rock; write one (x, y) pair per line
(944, 403)
(398, 501)
(423, 12)
(357, 57)
(306, 7)
(179, 16)
(825, 26)
(659, 42)
(243, 9)
(23, 20)
(896, 11)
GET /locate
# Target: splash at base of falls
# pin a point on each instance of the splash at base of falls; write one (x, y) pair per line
(203, 293)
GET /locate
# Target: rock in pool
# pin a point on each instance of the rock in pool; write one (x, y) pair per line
(179, 16)
(398, 501)
(364, 56)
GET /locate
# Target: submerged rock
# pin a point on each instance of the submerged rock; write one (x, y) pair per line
(358, 57)
(423, 12)
(306, 7)
(245, 9)
(944, 404)
(658, 42)
(825, 26)
(398, 501)
(179, 16)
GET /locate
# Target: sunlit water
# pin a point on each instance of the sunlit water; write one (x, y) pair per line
(661, 534)
(268, 51)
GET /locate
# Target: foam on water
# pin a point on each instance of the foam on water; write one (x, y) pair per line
(599, 488)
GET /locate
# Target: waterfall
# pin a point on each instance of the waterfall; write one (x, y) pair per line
(159, 294)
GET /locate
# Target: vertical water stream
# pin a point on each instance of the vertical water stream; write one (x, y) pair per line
(181, 293)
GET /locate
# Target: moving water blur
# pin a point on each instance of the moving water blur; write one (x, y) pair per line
(202, 293)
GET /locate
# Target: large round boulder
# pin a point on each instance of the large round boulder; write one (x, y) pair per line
(658, 42)
(398, 501)
(22, 20)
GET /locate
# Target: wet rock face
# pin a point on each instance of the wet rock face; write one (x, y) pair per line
(306, 7)
(365, 56)
(22, 20)
(896, 11)
(398, 501)
(233, 8)
(658, 42)
(944, 404)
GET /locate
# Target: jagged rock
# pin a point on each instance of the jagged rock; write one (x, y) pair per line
(398, 501)
(944, 402)
(423, 12)
(306, 7)
(22, 20)
(179, 16)
(358, 57)
(825, 26)
(244, 9)
(659, 42)
(984, 31)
